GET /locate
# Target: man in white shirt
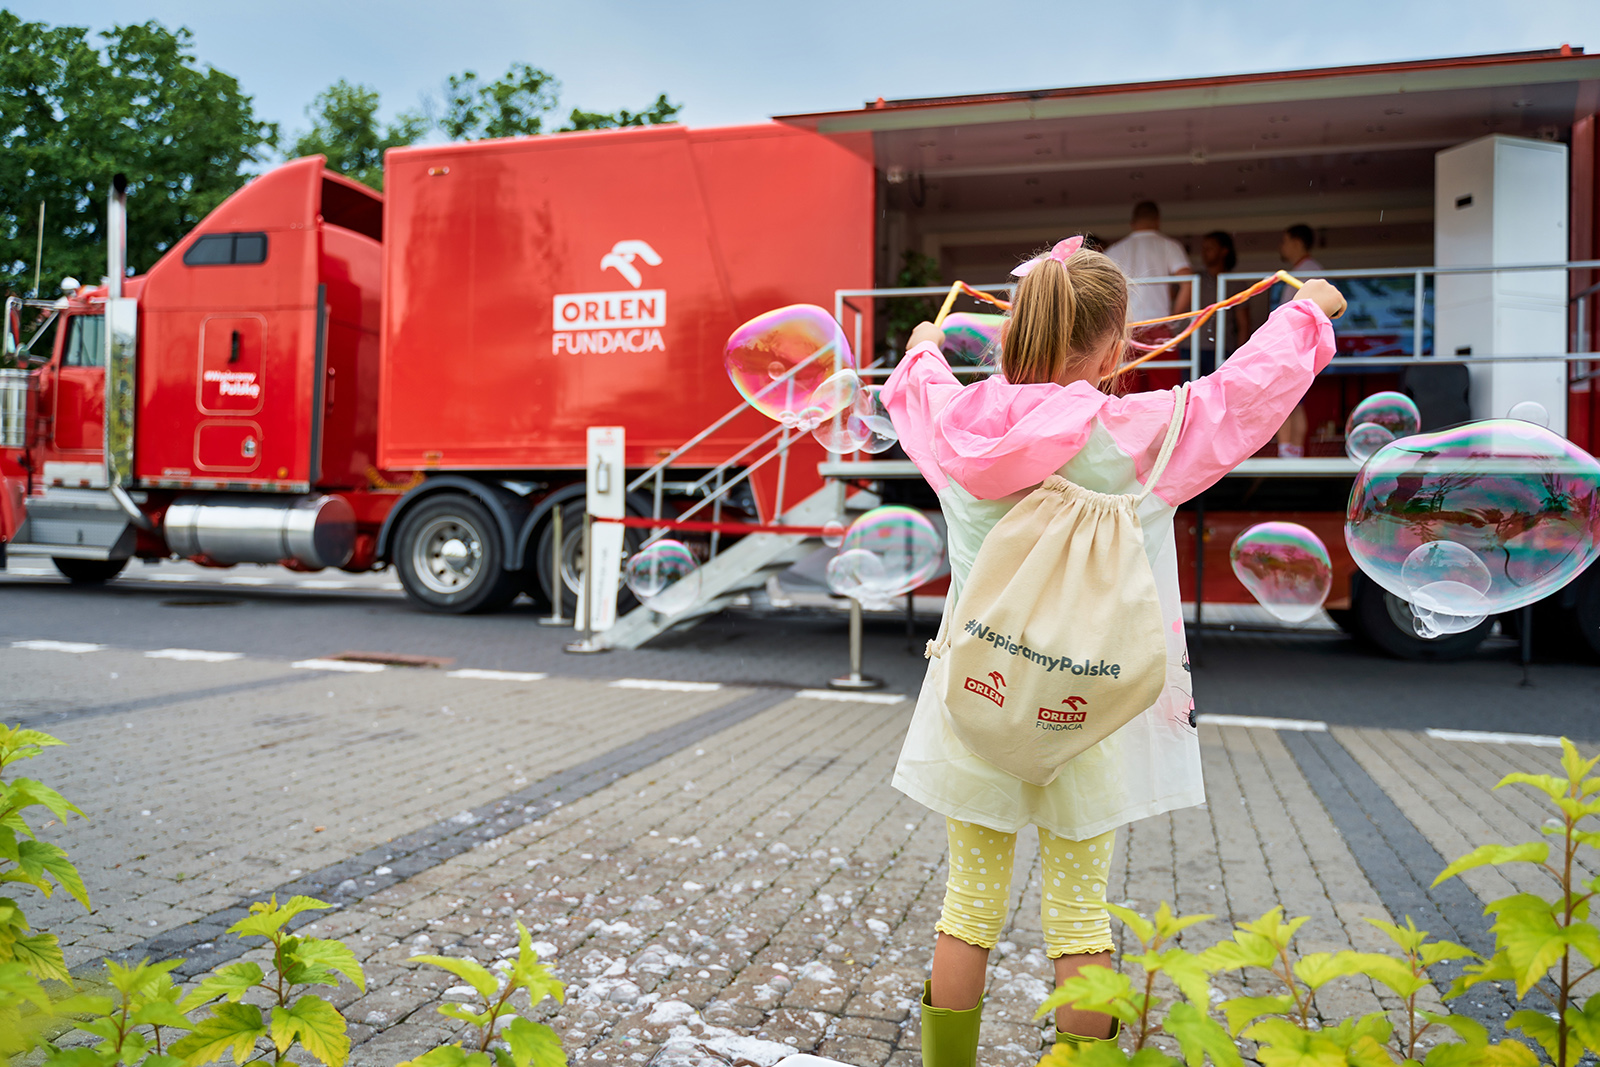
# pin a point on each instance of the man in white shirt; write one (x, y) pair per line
(1149, 253)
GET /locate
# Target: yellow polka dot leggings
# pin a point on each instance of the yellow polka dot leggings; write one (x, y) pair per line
(1074, 906)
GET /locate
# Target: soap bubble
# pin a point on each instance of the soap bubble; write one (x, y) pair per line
(1364, 439)
(833, 533)
(857, 574)
(1286, 568)
(971, 340)
(1395, 412)
(664, 575)
(1530, 411)
(905, 548)
(1522, 500)
(1447, 586)
(763, 350)
(838, 431)
(873, 419)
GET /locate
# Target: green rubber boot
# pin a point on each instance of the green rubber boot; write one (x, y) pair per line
(1075, 1039)
(949, 1037)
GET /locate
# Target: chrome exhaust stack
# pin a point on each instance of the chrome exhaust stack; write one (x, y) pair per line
(117, 236)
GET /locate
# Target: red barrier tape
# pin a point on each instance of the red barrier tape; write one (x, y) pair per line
(696, 526)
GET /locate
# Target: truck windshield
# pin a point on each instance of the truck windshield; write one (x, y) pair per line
(86, 342)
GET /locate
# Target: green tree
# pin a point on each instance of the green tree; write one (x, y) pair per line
(663, 110)
(345, 128)
(73, 113)
(513, 105)
(517, 103)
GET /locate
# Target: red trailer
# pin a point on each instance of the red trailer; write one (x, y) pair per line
(325, 377)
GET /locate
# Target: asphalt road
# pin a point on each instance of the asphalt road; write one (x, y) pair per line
(1315, 675)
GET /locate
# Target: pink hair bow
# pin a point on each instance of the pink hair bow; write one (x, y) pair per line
(1059, 253)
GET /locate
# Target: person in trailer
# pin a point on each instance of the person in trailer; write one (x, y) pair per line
(1148, 253)
(1294, 248)
(1048, 430)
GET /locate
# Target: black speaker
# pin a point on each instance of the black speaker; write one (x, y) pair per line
(1441, 392)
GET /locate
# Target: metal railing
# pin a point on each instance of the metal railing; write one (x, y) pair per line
(715, 486)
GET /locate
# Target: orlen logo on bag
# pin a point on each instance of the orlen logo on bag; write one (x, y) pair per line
(1058, 719)
(988, 692)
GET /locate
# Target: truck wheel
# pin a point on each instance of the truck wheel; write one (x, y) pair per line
(571, 579)
(1385, 620)
(89, 571)
(450, 557)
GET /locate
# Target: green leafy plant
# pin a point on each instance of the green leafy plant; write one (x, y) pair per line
(26, 860)
(1535, 937)
(1285, 1024)
(293, 1018)
(134, 1024)
(521, 1042)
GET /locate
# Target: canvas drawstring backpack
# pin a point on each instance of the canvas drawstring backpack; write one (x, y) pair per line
(1056, 640)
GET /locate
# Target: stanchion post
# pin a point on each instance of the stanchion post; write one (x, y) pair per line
(587, 643)
(855, 679)
(558, 581)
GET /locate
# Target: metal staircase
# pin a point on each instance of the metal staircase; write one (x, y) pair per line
(736, 571)
(746, 566)
(92, 524)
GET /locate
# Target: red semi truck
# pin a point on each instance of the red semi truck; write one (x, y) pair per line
(323, 376)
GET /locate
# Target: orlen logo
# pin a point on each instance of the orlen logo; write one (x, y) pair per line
(988, 692)
(618, 320)
(1071, 720)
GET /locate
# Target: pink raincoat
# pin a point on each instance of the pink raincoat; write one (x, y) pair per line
(983, 447)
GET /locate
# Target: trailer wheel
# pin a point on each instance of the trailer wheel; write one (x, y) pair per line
(1385, 620)
(89, 571)
(450, 558)
(571, 578)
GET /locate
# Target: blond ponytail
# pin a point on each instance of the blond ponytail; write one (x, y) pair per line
(1063, 314)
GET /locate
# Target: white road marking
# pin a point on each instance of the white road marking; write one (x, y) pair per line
(324, 583)
(172, 578)
(348, 666)
(498, 676)
(196, 655)
(1303, 725)
(857, 698)
(1491, 737)
(75, 647)
(245, 579)
(666, 686)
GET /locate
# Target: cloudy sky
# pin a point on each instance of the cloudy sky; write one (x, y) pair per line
(732, 61)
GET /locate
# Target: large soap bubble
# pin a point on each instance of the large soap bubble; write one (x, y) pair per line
(1395, 412)
(1523, 501)
(1447, 586)
(664, 575)
(761, 352)
(906, 551)
(971, 339)
(1286, 568)
(839, 431)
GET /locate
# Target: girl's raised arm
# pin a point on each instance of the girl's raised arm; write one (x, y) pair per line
(1232, 412)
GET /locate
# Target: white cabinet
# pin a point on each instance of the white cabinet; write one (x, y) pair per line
(1501, 201)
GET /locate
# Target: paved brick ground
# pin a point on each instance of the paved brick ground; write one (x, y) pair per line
(764, 890)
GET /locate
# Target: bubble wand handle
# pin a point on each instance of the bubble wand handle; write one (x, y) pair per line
(949, 302)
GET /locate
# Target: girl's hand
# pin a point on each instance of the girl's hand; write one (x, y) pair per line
(926, 331)
(1326, 297)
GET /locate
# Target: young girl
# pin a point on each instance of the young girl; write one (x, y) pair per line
(983, 448)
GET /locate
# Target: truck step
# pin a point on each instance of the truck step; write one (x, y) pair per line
(74, 524)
